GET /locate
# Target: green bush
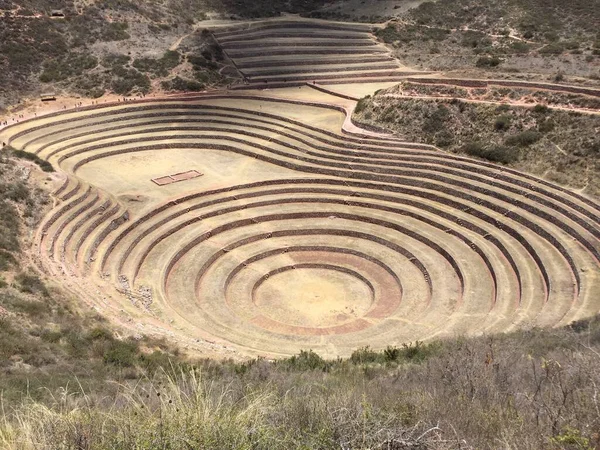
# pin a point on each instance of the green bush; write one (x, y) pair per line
(158, 67)
(31, 308)
(488, 61)
(42, 163)
(502, 154)
(474, 39)
(365, 355)
(554, 48)
(50, 336)
(362, 104)
(121, 353)
(130, 80)
(520, 47)
(202, 62)
(411, 352)
(546, 126)
(100, 333)
(182, 84)
(156, 361)
(495, 153)
(74, 64)
(9, 224)
(502, 123)
(115, 60)
(436, 121)
(541, 109)
(524, 138)
(391, 353)
(16, 192)
(306, 360)
(31, 284)
(415, 352)
(12, 342)
(388, 34)
(114, 31)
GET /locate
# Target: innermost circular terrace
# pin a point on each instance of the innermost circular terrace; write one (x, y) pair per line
(321, 296)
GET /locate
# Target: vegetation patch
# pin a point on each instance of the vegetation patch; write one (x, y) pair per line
(560, 144)
(158, 67)
(182, 84)
(42, 163)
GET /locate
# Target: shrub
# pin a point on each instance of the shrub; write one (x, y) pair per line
(546, 126)
(115, 60)
(502, 123)
(365, 355)
(541, 109)
(12, 342)
(501, 154)
(130, 80)
(158, 67)
(417, 351)
(488, 61)
(9, 225)
(520, 47)
(31, 284)
(555, 48)
(306, 360)
(32, 308)
(74, 64)
(182, 84)
(388, 34)
(100, 333)
(50, 336)
(114, 31)
(444, 138)
(497, 153)
(524, 138)
(436, 121)
(391, 353)
(42, 163)
(571, 438)
(362, 104)
(201, 62)
(16, 192)
(121, 353)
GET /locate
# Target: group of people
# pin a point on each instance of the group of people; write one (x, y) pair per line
(77, 105)
(14, 119)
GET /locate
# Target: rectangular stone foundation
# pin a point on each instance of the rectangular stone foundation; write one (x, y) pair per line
(182, 176)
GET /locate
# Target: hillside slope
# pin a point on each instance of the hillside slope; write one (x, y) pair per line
(557, 142)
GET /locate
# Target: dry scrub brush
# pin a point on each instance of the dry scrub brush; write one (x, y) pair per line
(530, 390)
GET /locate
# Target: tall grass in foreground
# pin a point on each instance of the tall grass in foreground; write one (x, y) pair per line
(536, 389)
(182, 411)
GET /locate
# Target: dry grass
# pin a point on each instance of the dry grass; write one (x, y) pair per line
(561, 146)
(530, 390)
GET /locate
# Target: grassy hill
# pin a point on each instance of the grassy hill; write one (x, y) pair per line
(561, 146)
(526, 37)
(132, 48)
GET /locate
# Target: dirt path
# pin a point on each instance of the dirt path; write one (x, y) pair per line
(491, 102)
